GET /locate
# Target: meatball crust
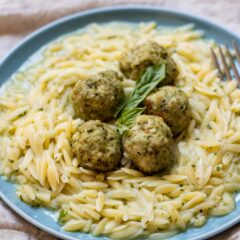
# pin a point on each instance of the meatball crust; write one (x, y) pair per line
(97, 145)
(145, 55)
(98, 96)
(149, 144)
(172, 105)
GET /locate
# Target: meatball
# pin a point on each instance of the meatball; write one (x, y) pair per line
(171, 104)
(97, 145)
(145, 55)
(98, 96)
(149, 144)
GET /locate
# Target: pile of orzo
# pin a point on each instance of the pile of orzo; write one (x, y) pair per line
(37, 124)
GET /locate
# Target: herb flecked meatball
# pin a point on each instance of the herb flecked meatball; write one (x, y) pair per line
(133, 63)
(149, 144)
(98, 96)
(97, 145)
(171, 104)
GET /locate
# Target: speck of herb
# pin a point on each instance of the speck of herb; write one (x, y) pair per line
(35, 205)
(197, 138)
(62, 215)
(111, 37)
(23, 114)
(218, 168)
(209, 126)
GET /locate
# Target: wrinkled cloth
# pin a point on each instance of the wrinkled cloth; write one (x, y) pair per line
(20, 17)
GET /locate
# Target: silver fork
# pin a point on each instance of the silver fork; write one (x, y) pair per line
(223, 60)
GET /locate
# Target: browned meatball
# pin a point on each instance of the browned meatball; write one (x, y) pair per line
(134, 62)
(149, 144)
(98, 96)
(171, 104)
(97, 145)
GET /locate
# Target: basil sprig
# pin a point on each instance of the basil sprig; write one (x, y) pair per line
(129, 109)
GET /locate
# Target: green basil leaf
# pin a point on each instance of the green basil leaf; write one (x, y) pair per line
(127, 119)
(129, 109)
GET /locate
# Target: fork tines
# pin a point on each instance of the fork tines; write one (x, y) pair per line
(223, 60)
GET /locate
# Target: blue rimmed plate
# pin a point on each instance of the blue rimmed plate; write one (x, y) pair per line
(43, 218)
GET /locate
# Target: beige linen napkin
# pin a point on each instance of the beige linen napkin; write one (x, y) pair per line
(20, 17)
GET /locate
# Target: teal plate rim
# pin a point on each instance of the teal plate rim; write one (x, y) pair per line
(43, 218)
